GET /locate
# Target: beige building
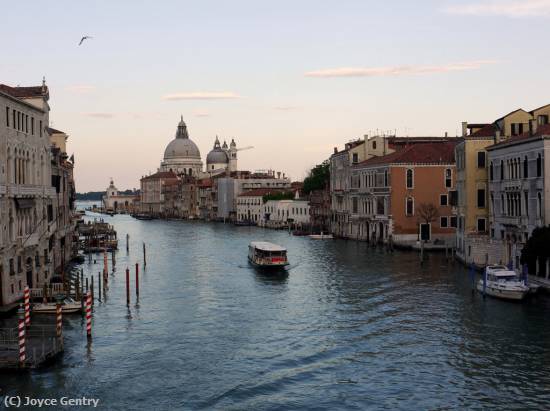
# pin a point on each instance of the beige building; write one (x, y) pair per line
(35, 200)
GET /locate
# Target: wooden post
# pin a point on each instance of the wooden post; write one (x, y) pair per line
(128, 286)
(127, 243)
(144, 256)
(105, 263)
(421, 252)
(89, 315)
(27, 297)
(113, 259)
(137, 281)
(21, 317)
(87, 288)
(99, 284)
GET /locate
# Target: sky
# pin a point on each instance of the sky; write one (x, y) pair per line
(293, 78)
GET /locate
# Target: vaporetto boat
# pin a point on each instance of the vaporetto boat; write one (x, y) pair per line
(263, 254)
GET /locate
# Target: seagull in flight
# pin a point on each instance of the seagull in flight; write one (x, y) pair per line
(84, 38)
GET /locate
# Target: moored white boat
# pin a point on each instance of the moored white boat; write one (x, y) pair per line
(263, 254)
(69, 306)
(500, 282)
(321, 236)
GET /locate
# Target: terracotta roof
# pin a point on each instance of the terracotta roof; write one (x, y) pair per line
(23, 92)
(543, 130)
(426, 153)
(160, 174)
(204, 183)
(260, 192)
(488, 130)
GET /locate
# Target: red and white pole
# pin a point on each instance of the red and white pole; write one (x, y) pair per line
(59, 318)
(89, 315)
(22, 355)
(27, 295)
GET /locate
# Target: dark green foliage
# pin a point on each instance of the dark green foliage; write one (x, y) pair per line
(538, 246)
(285, 195)
(318, 177)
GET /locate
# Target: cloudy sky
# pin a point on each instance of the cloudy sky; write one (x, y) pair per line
(291, 78)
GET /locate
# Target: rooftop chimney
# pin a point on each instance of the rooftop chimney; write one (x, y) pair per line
(335, 150)
(446, 134)
(464, 128)
(532, 127)
(497, 136)
(278, 174)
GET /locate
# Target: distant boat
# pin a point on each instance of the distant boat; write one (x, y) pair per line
(321, 236)
(500, 282)
(142, 216)
(266, 255)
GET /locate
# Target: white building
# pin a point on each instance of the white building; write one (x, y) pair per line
(182, 156)
(282, 213)
(27, 213)
(250, 205)
(519, 189)
(115, 201)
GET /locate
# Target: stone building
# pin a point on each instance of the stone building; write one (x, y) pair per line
(473, 242)
(519, 189)
(390, 195)
(151, 192)
(286, 213)
(113, 200)
(319, 210)
(34, 215)
(182, 156)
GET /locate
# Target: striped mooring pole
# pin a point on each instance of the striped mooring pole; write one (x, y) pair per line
(89, 315)
(59, 318)
(27, 295)
(22, 355)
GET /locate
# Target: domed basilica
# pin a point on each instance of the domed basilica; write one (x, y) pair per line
(182, 156)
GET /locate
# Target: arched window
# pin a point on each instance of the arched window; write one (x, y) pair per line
(491, 172)
(525, 167)
(539, 165)
(501, 169)
(374, 145)
(190, 172)
(410, 178)
(539, 204)
(409, 210)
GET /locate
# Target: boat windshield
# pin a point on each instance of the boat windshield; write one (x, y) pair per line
(506, 278)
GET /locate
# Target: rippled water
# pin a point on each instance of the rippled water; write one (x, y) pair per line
(351, 327)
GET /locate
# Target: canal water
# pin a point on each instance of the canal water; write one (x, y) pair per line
(350, 327)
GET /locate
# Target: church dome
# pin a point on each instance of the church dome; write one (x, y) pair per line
(182, 146)
(217, 155)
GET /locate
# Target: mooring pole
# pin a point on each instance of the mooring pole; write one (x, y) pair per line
(127, 243)
(99, 284)
(128, 286)
(27, 306)
(21, 318)
(137, 281)
(144, 256)
(92, 288)
(89, 316)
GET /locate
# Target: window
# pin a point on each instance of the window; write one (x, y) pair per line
(7, 116)
(410, 178)
(517, 129)
(539, 165)
(12, 267)
(491, 172)
(355, 158)
(374, 145)
(501, 169)
(409, 210)
(453, 198)
(525, 167)
(481, 198)
(481, 227)
(444, 222)
(448, 178)
(13, 123)
(539, 204)
(481, 159)
(453, 221)
(40, 128)
(385, 178)
(542, 120)
(526, 199)
(443, 200)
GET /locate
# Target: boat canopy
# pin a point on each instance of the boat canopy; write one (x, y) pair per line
(266, 246)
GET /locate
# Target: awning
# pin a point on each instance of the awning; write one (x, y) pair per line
(24, 202)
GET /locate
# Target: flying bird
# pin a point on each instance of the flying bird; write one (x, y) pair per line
(84, 38)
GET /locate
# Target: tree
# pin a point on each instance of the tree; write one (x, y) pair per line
(318, 177)
(284, 195)
(537, 246)
(427, 213)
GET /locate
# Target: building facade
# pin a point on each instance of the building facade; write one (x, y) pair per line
(115, 201)
(519, 189)
(152, 192)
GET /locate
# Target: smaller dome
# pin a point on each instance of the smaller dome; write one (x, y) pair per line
(233, 144)
(217, 156)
